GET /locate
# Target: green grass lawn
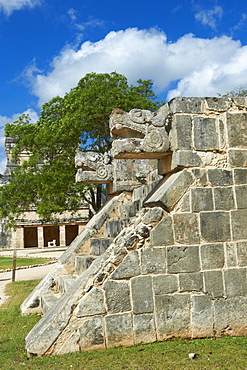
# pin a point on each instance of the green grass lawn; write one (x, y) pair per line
(225, 353)
(7, 262)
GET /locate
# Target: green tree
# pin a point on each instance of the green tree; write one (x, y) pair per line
(80, 119)
(237, 91)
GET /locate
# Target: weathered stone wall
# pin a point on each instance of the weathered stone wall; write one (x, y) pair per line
(179, 268)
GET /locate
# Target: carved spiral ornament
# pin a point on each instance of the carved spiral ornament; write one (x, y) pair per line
(102, 172)
(154, 139)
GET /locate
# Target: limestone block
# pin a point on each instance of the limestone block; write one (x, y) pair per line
(186, 105)
(215, 226)
(142, 230)
(181, 132)
(153, 260)
(47, 300)
(220, 177)
(241, 196)
(230, 316)
(205, 133)
(185, 158)
(117, 255)
(154, 145)
(70, 345)
(92, 303)
(224, 198)
(239, 221)
(103, 175)
(212, 256)
(231, 255)
(140, 193)
(128, 210)
(162, 233)
(185, 203)
(183, 259)
(117, 294)
(218, 104)
(201, 176)
(144, 329)
(213, 281)
(222, 134)
(99, 245)
(172, 315)
(43, 335)
(237, 157)
(235, 282)
(142, 294)
(186, 228)
(113, 227)
(64, 282)
(170, 192)
(242, 253)
(82, 263)
(92, 334)
(163, 284)
(191, 282)
(131, 173)
(129, 267)
(153, 215)
(202, 318)
(201, 199)
(119, 330)
(240, 176)
(240, 101)
(237, 129)
(127, 238)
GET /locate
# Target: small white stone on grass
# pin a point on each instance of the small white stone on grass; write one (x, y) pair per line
(192, 355)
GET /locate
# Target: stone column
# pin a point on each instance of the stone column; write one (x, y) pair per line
(62, 241)
(17, 240)
(40, 237)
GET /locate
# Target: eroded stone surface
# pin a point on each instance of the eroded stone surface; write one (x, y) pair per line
(177, 266)
(170, 192)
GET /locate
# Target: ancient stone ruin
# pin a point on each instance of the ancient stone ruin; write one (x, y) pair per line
(30, 230)
(167, 254)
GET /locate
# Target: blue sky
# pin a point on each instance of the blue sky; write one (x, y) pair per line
(187, 47)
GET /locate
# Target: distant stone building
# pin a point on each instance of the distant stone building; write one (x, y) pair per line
(31, 231)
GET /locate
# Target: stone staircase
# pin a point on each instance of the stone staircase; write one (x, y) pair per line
(84, 250)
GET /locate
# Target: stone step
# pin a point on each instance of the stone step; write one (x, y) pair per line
(129, 210)
(99, 245)
(113, 228)
(48, 300)
(82, 263)
(143, 191)
(64, 282)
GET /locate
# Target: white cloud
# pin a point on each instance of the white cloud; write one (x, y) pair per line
(91, 22)
(210, 17)
(3, 120)
(241, 23)
(201, 66)
(8, 6)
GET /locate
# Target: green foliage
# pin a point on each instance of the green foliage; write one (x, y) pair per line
(47, 179)
(96, 95)
(238, 91)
